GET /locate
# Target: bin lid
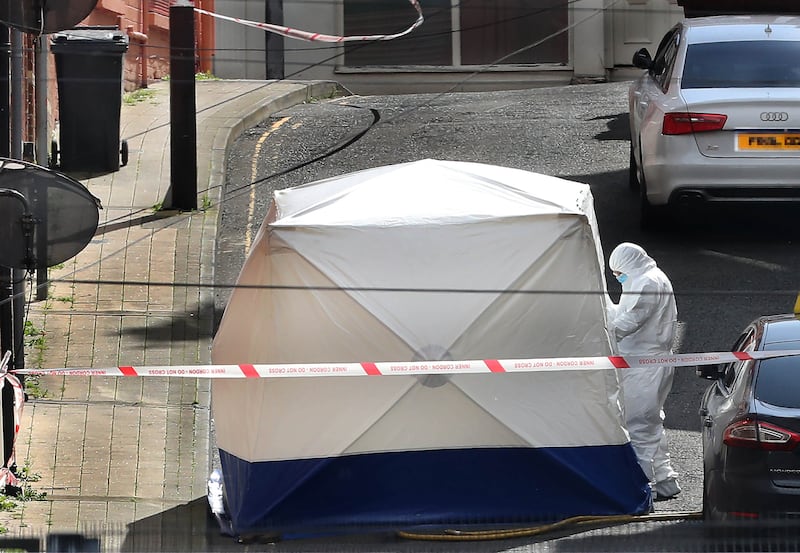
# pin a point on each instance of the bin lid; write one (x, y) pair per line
(95, 38)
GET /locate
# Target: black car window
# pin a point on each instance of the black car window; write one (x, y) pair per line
(745, 343)
(664, 60)
(743, 376)
(778, 382)
(752, 63)
(729, 376)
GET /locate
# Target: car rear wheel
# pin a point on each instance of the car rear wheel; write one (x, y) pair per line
(713, 526)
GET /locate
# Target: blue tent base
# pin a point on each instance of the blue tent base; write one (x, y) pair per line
(469, 488)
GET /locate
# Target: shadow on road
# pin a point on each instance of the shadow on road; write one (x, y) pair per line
(189, 528)
(618, 127)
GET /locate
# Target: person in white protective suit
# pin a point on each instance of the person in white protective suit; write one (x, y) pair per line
(644, 323)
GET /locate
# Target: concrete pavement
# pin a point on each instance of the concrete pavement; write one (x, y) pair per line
(125, 460)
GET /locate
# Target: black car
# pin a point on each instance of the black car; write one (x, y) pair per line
(750, 419)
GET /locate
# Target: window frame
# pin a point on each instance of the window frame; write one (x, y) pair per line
(665, 57)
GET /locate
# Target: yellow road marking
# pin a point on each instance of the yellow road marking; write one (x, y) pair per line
(251, 207)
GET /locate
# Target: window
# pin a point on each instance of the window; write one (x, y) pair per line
(491, 30)
(732, 370)
(755, 63)
(664, 61)
(778, 379)
(429, 44)
(459, 33)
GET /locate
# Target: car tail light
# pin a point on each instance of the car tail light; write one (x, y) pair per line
(687, 123)
(760, 435)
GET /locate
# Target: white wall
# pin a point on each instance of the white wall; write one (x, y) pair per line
(310, 60)
(588, 38)
(241, 51)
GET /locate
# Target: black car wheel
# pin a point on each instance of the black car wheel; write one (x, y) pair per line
(651, 217)
(713, 525)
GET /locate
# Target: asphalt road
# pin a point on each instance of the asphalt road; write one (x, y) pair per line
(727, 266)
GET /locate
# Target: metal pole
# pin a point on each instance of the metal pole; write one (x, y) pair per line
(5, 92)
(17, 115)
(17, 93)
(182, 110)
(13, 292)
(275, 60)
(5, 274)
(42, 142)
(7, 344)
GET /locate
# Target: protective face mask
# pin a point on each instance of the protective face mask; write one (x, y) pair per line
(622, 278)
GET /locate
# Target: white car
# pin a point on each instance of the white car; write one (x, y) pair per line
(716, 116)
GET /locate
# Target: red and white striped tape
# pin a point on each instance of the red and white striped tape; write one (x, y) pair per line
(288, 32)
(390, 368)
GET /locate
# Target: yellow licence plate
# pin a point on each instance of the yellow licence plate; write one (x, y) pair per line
(764, 141)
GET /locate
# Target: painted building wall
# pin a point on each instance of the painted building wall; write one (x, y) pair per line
(148, 35)
(601, 36)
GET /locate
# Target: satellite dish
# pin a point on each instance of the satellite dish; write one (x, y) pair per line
(47, 219)
(45, 16)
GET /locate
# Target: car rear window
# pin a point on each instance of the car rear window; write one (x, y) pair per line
(748, 64)
(778, 382)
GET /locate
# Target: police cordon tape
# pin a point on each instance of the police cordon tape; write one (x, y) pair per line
(299, 370)
(289, 32)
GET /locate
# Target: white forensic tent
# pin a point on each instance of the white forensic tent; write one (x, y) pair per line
(427, 260)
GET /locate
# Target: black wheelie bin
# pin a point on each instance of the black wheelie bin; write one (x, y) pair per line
(89, 62)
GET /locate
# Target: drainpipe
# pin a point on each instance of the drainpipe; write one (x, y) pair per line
(145, 30)
(206, 50)
(17, 93)
(141, 37)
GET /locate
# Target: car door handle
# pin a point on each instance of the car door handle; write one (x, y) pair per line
(708, 422)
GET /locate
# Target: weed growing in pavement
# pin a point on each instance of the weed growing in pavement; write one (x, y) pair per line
(11, 498)
(35, 339)
(25, 477)
(6, 503)
(158, 206)
(33, 386)
(205, 76)
(205, 203)
(137, 96)
(65, 299)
